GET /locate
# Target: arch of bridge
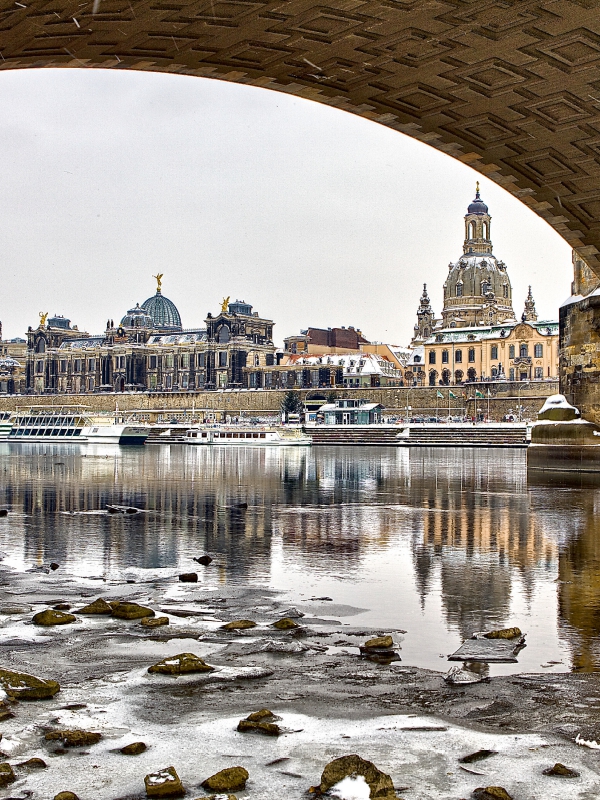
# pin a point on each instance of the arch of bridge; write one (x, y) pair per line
(510, 87)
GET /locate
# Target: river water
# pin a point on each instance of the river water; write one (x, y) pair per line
(437, 542)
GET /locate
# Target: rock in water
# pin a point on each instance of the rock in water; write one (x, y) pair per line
(7, 775)
(182, 664)
(227, 780)
(33, 763)
(380, 784)
(21, 686)
(133, 749)
(154, 622)
(99, 606)
(260, 722)
(379, 643)
(204, 560)
(73, 738)
(164, 783)
(472, 758)
(560, 771)
(504, 633)
(66, 796)
(285, 624)
(130, 610)
(62, 606)
(189, 577)
(491, 793)
(238, 625)
(52, 617)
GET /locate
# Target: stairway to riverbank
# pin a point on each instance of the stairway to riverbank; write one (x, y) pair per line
(482, 435)
(384, 435)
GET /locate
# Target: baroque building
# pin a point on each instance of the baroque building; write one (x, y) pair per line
(149, 350)
(478, 336)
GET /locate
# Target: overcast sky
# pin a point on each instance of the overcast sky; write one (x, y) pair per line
(314, 216)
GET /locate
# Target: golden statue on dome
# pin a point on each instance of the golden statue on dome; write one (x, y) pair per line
(159, 277)
(43, 318)
(225, 304)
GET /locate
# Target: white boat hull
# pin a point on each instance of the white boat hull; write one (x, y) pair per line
(242, 438)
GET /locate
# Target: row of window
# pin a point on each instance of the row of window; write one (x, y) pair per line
(472, 375)
(486, 288)
(538, 352)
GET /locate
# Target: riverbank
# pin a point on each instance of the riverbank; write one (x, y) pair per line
(331, 701)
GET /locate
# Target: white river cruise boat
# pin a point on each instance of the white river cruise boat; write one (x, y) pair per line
(251, 436)
(70, 424)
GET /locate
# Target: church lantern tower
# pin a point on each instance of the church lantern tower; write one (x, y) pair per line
(477, 290)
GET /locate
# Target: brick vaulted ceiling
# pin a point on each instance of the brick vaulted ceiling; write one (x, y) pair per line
(510, 87)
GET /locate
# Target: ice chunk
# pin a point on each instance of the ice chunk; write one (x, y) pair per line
(351, 789)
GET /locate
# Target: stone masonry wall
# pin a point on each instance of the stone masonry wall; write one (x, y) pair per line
(504, 399)
(580, 355)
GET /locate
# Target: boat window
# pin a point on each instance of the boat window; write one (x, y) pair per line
(229, 435)
(77, 432)
(55, 431)
(255, 435)
(262, 435)
(204, 435)
(94, 430)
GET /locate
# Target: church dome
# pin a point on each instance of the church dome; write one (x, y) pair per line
(137, 318)
(477, 206)
(163, 312)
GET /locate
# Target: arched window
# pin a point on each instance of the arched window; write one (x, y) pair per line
(458, 356)
(432, 356)
(432, 377)
(458, 376)
(224, 334)
(446, 377)
(40, 346)
(523, 351)
(471, 374)
(444, 356)
(417, 359)
(486, 287)
(459, 290)
(472, 355)
(511, 351)
(494, 355)
(505, 290)
(471, 230)
(539, 350)
(485, 230)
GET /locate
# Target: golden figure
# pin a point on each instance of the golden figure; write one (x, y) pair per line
(159, 278)
(477, 188)
(43, 318)
(225, 304)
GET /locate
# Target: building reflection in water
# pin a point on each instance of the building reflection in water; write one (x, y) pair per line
(475, 531)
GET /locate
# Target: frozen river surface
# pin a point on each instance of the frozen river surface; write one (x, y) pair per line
(437, 542)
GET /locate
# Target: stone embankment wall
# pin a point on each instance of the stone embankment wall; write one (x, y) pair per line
(580, 355)
(505, 397)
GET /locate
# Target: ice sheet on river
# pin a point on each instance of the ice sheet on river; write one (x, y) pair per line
(489, 650)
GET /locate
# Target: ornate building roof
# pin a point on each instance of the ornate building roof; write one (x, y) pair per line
(164, 313)
(137, 318)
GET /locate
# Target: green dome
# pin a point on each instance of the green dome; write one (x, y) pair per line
(163, 311)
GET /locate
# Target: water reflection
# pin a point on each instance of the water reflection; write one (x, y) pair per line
(443, 542)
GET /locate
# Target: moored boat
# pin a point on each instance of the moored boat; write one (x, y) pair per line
(250, 436)
(72, 423)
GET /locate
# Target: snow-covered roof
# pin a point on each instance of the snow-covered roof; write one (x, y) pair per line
(352, 364)
(483, 332)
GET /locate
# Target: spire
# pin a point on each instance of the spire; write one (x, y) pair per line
(425, 318)
(529, 314)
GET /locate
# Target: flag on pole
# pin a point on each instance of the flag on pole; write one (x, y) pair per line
(478, 393)
(439, 394)
(489, 392)
(452, 395)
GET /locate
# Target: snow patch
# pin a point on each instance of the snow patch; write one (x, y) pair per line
(351, 789)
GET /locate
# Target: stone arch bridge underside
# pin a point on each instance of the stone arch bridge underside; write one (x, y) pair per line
(510, 87)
